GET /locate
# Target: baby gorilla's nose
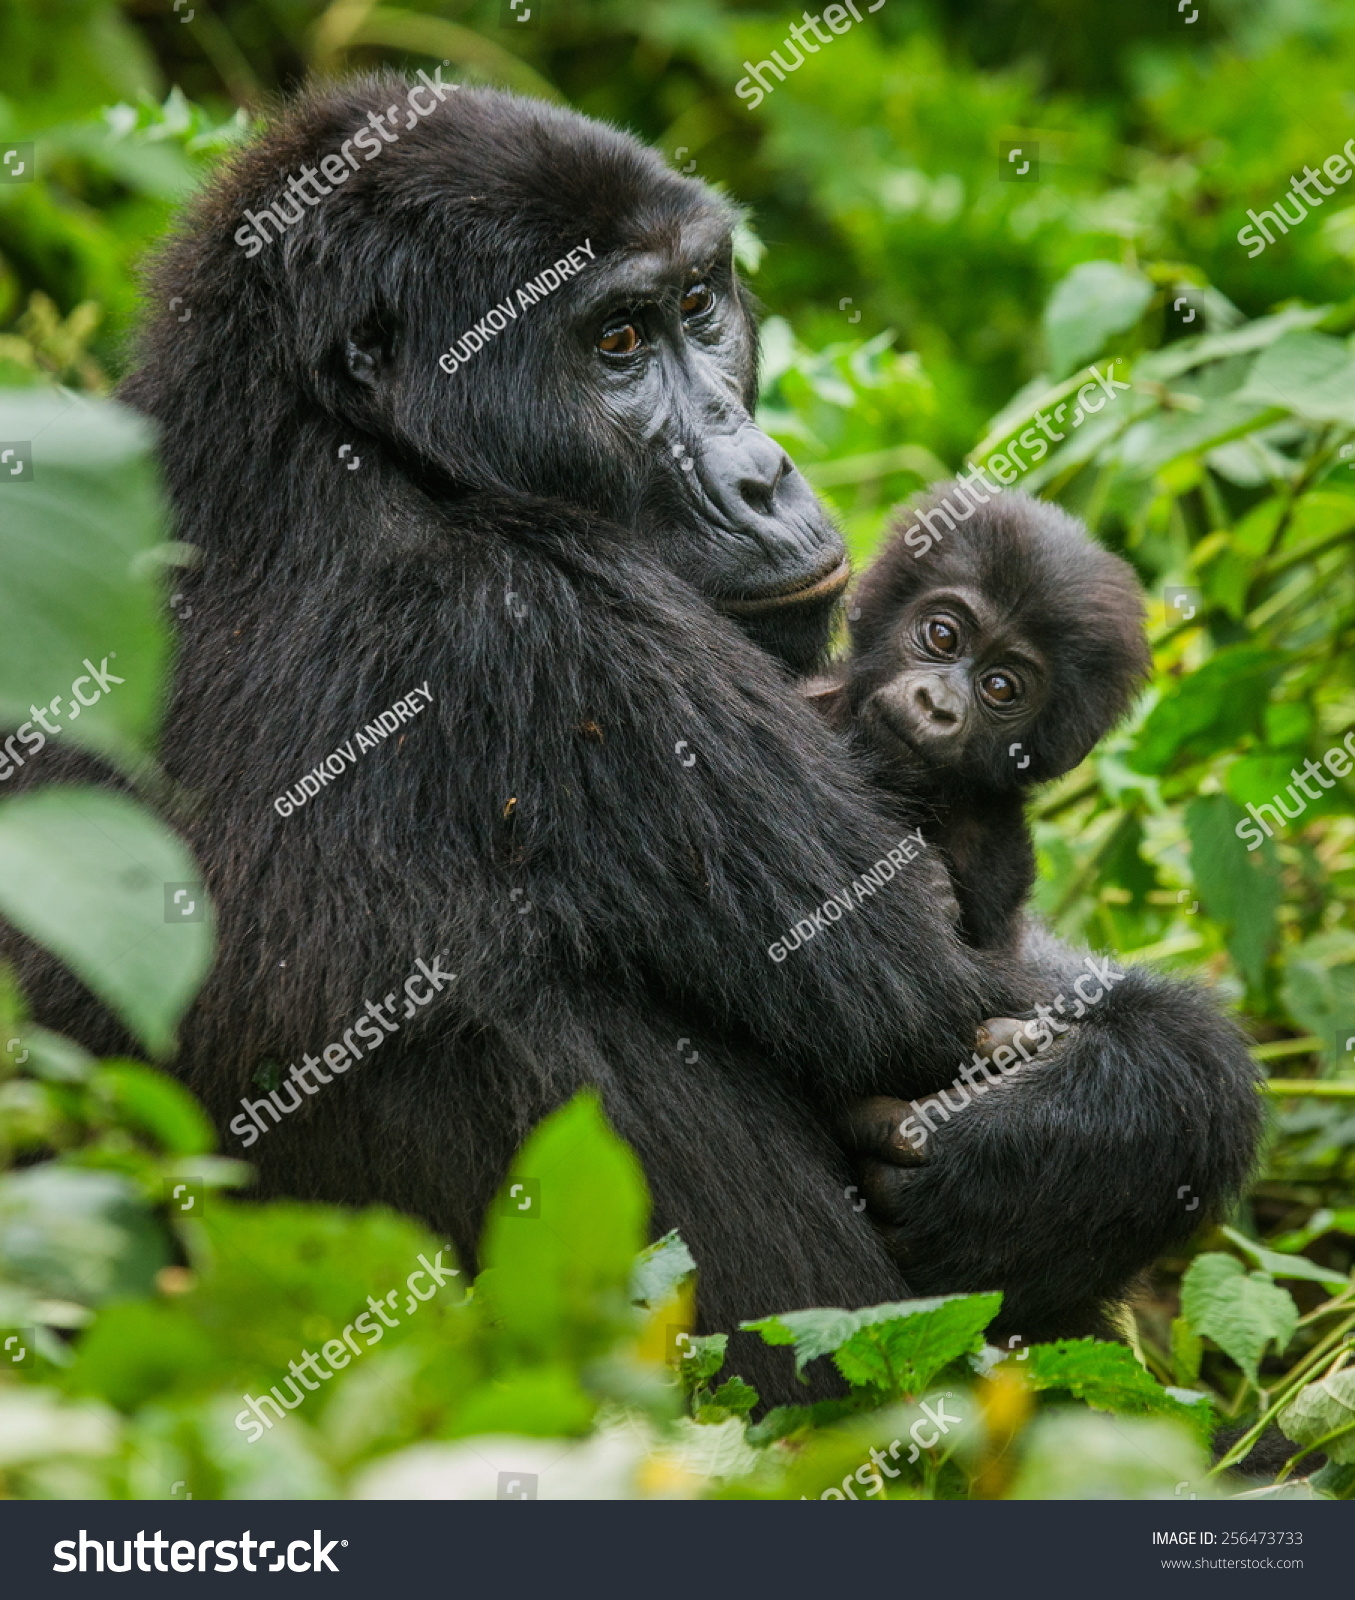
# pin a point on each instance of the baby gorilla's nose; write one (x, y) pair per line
(939, 709)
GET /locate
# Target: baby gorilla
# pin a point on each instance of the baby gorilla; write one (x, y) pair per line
(985, 663)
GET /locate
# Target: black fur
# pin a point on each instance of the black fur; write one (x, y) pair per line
(607, 906)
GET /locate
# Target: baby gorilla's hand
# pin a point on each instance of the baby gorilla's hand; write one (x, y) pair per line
(881, 1153)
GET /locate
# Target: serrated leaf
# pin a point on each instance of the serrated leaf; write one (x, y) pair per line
(1241, 1312)
(1108, 1378)
(899, 1346)
(1321, 1410)
(83, 872)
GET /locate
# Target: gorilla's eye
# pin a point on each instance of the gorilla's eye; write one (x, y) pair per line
(697, 301)
(621, 339)
(942, 636)
(1000, 688)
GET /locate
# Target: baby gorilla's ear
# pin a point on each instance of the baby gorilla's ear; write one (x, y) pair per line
(827, 693)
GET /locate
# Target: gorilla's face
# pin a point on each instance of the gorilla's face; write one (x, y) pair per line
(664, 352)
(627, 390)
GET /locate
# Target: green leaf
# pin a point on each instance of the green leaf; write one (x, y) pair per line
(1240, 887)
(561, 1266)
(1095, 300)
(1280, 1265)
(77, 545)
(1210, 710)
(1321, 1410)
(1308, 373)
(143, 1098)
(736, 1396)
(899, 1346)
(703, 1354)
(1241, 1312)
(1319, 990)
(660, 1270)
(1108, 1378)
(88, 874)
(78, 1235)
(1187, 1350)
(1070, 1454)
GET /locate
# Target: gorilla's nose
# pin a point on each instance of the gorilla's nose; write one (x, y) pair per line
(761, 466)
(939, 707)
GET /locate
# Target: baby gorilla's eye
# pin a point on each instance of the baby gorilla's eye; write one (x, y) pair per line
(942, 636)
(622, 339)
(697, 301)
(1000, 688)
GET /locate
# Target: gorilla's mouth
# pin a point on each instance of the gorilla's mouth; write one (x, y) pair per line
(825, 587)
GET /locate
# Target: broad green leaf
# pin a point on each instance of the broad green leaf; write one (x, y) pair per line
(1241, 1312)
(899, 1346)
(1320, 1410)
(1280, 1265)
(1095, 300)
(1240, 887)
(1305, 372)
(1209, 710)
(1109, 1378)
(80, 529)
(563, 1235)
(144, 1099)
(91, 876)
(78, 1235)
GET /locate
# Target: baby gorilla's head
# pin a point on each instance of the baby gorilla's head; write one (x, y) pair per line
(997, 650)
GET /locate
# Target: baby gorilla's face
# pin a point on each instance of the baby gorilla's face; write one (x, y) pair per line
(954, 686)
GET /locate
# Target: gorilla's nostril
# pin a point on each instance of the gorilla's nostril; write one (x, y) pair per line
(932, 711)
(758, 487)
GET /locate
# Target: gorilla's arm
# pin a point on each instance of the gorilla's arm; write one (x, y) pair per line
(1063, 1180)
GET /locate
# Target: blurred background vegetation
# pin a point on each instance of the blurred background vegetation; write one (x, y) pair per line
(923, 308)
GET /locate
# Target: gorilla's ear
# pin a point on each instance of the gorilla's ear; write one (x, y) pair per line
(369, 350)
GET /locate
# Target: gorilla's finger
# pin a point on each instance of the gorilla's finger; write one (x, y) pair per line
(873, 1127)
(997, 1032)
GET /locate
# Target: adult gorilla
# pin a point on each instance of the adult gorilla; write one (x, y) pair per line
(601, 568)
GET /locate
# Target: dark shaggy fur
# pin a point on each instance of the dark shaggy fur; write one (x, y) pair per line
(608, 909)
(1031, 594)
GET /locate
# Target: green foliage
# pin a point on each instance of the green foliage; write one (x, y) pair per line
(908, 281)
